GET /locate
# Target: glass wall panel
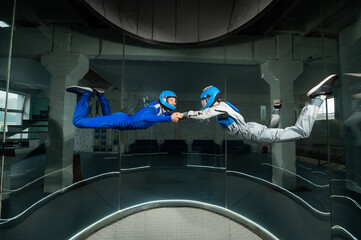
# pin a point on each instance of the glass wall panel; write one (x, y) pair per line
(53, 170)
(171, 161)
(344, 150)
(271, 183)
(7, 101)
(58, 179)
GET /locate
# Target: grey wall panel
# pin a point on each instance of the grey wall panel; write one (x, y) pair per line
(164, 21)
(187, 21)
(98, 6)
(214, 17)
(264, 3)
(128, 10)
(243, 11)
(111, 12)
(145, 19)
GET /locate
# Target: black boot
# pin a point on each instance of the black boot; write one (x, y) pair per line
(324, 87)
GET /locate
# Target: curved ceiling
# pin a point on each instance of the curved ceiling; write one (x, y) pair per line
(178, 21)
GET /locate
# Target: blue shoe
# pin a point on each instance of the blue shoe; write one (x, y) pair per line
(99, 91)
(324, 87)
(79, 90)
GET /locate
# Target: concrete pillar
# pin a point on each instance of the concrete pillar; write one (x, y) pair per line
(65, 69)
(280, 75)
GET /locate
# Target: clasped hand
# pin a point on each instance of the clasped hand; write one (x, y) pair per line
(176, 116)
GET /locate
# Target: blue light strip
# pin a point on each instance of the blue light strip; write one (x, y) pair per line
(135, 168)
(202, 166)
(284, 189)
(322, 186)
(3, 221)
(18, 189)
(275, 185)
(337, 227)
(143, 154)
(304, 179)
(348, 198)
(28, 184)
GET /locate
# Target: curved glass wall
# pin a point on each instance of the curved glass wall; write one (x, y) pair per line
(58, 179)
(8, 103)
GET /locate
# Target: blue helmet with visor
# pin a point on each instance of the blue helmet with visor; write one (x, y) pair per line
(210, 95)
(163, 99)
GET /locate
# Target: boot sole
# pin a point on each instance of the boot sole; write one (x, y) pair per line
(69, 89)
(320, 84)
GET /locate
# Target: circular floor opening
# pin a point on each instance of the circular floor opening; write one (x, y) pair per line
(175, 220)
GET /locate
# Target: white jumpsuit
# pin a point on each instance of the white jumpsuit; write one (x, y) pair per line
(234, 124)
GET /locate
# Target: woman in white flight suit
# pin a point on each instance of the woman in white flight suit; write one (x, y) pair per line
(232, 121)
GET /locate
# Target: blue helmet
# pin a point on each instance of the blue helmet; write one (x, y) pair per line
(163, 99)
(210, 95)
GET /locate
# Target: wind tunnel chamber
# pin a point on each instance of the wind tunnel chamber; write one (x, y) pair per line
(188, 179)
(179, 22)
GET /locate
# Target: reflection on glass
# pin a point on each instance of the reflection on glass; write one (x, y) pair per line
(15, 101)
(104, 166)
(346, 189)
(321, 115)
(15, 109)
(4, 24)
(179, 160)
(6, 37)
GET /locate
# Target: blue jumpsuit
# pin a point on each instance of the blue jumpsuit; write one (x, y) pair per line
(145, 118)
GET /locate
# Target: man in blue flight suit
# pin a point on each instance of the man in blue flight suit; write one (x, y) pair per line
(156, 111)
